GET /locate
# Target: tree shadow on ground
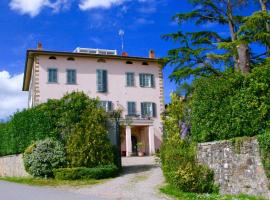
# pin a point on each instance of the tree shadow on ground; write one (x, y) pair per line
(134, 169)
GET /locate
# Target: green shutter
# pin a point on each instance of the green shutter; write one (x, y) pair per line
(142, 109)
(154, 108)
(101, 80)
(131, 108)
(142, 82)
(104, 74)
(152, 80)
(110, 108)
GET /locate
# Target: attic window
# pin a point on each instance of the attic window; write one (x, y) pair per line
(101, 60)
(71, 58)
(52, 58)
(145, 63)
(129, 63)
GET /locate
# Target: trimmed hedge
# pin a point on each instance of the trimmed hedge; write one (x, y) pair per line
(231, 105)
(101, 172)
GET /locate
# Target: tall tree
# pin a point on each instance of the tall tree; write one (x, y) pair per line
(264, 6)
(209, 11)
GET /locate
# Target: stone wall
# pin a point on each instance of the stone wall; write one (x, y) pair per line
(237, 166)
(12, 166)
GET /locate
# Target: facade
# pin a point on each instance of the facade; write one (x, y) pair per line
(132, 84)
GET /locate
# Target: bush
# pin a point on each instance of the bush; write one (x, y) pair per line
(231, 106)
(88, 144)
(178, 156)
(43, 156)
(100, 172)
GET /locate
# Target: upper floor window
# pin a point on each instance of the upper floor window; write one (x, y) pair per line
(147, 80)
(52, 58)
(145, 63)
(148, 109)
(129, 62)
(70, 59)
(107, 105)
(131, 107)
(71, 76)
(130, 81)
(52, 75)
(102, 80)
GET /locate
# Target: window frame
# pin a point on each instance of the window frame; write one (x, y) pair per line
(48, 74)
(67, 77)
(133, 82)
(104, 85)
(151, 77)
(134, 112)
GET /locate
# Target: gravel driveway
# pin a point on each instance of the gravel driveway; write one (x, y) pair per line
(13, 191)
(140, 180)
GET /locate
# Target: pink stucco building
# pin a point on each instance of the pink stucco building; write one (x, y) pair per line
(133, 84)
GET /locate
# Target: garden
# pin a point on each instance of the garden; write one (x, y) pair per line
(62, 141)
(223, 93)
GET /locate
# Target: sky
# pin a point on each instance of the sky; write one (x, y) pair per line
(63, 25)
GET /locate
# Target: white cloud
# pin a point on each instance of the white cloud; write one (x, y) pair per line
(11, 96)
(34, 7)
(90, 4)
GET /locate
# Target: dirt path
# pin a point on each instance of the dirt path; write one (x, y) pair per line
(140, 180)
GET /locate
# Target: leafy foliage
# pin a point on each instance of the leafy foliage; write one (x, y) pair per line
(100, 172)
(43, 156)
(88, 144)
(231, 106)
(178, 156)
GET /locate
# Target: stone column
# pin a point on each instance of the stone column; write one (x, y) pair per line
(128, 141)
(151, 140)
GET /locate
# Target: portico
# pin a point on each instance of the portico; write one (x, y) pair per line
(137, 136)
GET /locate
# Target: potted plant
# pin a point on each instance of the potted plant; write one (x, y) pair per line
(140, 149)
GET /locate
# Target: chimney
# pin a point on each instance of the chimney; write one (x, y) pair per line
(125, 54)
(39, 46)
(151, 54)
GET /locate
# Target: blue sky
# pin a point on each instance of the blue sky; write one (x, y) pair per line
(66, 24)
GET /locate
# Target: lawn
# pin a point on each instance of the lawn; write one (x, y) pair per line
(51, 182)
(193, 196)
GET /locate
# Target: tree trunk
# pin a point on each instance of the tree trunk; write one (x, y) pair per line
(243, 58)
(243, 55)
(264, 8)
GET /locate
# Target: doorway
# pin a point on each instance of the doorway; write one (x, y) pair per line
(134, 142)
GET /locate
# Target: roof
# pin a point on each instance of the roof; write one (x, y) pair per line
(31, 54)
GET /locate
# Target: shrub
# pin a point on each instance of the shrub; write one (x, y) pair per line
(178, 156)
(88, 144)
(231, 106)
(100, 172)
(43, 156)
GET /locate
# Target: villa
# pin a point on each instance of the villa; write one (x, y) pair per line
(132, 84)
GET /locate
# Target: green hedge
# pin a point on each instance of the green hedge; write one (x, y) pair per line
(100, 172)
(231, 106)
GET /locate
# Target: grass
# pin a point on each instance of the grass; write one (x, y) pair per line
(194, 196)
(51, 182)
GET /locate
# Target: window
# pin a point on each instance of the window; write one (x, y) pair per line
(52, 58)
(148, 109)
(101, 80)
(107, 105)
(131, 108)
(147, 80)
(129, 62)
(130, 79)
(101, 60)
(71, 76)
(145, 63)
(52, 75)
(70, 59)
